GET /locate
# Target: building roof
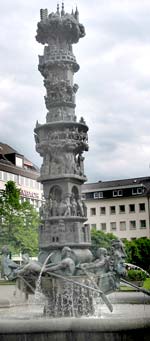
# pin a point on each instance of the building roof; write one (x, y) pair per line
(116, 184)
(8, 164)
(6, 149)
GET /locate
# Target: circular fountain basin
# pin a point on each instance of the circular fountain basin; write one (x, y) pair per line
(77, 329)
(25, 322)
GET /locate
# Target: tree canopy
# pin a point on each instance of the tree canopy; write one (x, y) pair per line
(138, 252)
(18, 221)
(100, 239)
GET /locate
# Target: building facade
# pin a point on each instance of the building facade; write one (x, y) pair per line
(15, 167)
(121, 207)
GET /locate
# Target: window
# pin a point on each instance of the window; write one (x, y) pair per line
(93, 226)
(102, 210)
(5, 176)
(19, 162)
(103, 226)
(122, 225)
(16, 178)
(1, 175)
(98, 195)
(118, 193)
(93, 211)
(131, 208)
(22, 180)
(121, 208)
(27, 182)
(113, 226)
(83, 196)
(11, 176)
(132, 224)
(142, 207)
(142, 224)
(112, 209)
(138, 190)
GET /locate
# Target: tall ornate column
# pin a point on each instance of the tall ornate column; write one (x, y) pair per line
(62, 140)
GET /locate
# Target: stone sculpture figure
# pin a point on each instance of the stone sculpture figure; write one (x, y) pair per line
(9, 268)
(66, 266)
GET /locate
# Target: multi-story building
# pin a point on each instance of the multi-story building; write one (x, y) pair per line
(15, 167)
(120, 206)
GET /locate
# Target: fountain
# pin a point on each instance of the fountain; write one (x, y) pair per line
(69, 277)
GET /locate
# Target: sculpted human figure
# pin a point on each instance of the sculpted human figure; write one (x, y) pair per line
(9, 268)
(100, 265)
(73, 206)
(28, 266)
(63, 208)
(80, 211)
(54, 207)
(66, 266)
(110, 281)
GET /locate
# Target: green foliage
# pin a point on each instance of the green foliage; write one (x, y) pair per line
(18, 222)
(138, 252)
(147, 284)
(136, 275)
(100, 239)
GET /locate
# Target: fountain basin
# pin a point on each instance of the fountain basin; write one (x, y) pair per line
(76, 329)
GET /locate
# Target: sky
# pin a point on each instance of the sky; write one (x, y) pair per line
(114, 82)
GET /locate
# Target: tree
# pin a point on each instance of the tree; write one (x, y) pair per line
(138, 252)
(100, 239)
(18, 221)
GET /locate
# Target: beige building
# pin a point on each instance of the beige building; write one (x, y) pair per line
(121, 207)
(15, 167)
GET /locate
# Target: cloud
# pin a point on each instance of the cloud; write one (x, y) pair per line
(114, 82)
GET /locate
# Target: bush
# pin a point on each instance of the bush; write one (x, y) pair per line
(136, 275)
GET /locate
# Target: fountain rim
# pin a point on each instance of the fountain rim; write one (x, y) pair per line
(73, 324)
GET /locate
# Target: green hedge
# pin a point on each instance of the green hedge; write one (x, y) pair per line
(136, 275)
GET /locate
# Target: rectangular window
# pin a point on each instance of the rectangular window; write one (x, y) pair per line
(92, 211)
(136, 191)
(5, 176)
(83, 196)
(21, 180)
(113, 226)
(27, 182)
(142, 207)
(93, 226)
(132, 208)
(118, 193)
(11, 176)
(142, 224)
(98, 195)
(132, 224)
(122, 225)
(102, 210)
(121, 208)
(1, 175)
(112, 209)
(16, 178)
(19, 162)
(103, 226)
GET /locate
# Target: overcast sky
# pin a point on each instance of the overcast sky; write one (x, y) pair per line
(114, 82)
